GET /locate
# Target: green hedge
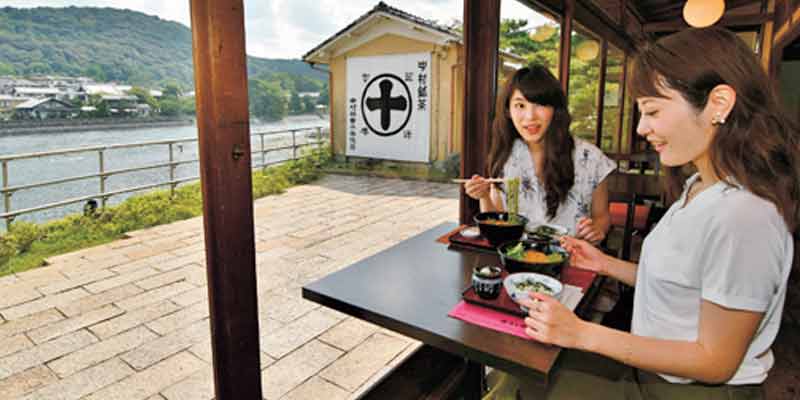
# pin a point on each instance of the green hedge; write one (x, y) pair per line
(26, 245)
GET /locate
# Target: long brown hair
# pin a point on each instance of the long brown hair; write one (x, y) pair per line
(538, 86)
(758, 144)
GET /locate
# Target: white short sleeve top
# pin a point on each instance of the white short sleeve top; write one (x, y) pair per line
(727, 246)
(591, 167)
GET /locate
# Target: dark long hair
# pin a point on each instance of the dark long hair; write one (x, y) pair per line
(538, 86)
(758, 145)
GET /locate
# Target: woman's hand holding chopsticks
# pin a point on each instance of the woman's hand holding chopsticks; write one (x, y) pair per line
(478, 187)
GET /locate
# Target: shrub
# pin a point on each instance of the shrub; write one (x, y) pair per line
(7, 250)
(22, 235)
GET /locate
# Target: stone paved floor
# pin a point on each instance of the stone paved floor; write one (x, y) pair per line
(129, 320)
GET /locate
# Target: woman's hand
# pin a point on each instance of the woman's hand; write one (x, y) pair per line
(551, 322)
(589, 231)
(477, 188)
(583, 254)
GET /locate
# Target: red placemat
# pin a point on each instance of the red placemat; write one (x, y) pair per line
(502, 303)
(456, 239)
(488, 318)
(569, 275)
(505, 322)
(445, 239)
(479, 242)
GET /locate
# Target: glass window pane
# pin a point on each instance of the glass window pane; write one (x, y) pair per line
(527, 36)
(612, 100)
(627, 118)
(584, 83)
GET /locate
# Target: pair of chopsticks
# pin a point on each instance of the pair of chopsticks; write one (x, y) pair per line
(490, 180)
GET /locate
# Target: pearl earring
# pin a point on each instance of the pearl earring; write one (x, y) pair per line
(717, 119)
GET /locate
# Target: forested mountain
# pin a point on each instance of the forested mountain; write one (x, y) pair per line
(115, 45)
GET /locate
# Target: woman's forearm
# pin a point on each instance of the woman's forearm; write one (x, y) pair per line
(679, 358)
(492, 202)
(487, 204)
(603, 222)
(622, 271)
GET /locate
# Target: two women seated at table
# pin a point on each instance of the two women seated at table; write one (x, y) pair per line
(712, 276)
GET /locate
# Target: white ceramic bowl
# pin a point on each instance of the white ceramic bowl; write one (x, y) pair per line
(518, 285)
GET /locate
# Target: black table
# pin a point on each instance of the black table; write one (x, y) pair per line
(410, 288)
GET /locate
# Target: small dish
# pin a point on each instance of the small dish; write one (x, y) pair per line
(487, 281)
(470, 232)
(519, 285)
(552, 231)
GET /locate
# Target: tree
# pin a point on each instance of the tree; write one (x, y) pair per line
(285, 80)
(514, 39)
(267, 99)
(188, 106)
(324, 97)
(143, 96)
(309, 104)
(303, 83)
(101, 107)
(170, 107)
(38, 67)
(172, 90)
(296, 104)
(7, 69)
(95, 72)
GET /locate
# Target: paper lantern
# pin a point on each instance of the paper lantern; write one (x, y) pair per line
(542, 33)
(703, 13)
(587, 50)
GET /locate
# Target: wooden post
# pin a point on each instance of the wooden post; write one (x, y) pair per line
(566, 46)
(220, 73)
(481, 35)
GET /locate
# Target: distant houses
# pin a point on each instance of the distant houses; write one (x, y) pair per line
(45, 108)
(49, 97)
(35, 92)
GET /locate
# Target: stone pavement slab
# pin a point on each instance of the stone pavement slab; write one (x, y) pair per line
(129, 319)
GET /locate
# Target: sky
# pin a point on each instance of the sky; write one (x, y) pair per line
(287, 28)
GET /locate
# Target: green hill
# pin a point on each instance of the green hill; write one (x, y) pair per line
(113, 44)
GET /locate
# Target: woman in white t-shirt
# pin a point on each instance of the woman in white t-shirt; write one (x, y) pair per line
(712, 277)
(562, 179)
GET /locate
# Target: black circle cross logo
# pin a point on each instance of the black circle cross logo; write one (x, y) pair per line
(386, 104)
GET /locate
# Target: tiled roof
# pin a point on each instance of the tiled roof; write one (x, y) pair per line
(385, 8)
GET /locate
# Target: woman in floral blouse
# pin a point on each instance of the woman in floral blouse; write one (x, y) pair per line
(562, 179)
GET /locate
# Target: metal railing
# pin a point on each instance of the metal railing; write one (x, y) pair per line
(102, 175)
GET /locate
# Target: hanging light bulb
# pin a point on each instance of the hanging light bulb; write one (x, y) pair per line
(703, 13)
(588, 50)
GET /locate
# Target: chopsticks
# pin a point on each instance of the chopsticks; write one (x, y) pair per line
(490, 180)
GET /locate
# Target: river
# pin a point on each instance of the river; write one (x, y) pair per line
(29, 171)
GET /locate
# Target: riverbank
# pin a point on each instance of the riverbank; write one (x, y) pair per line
(73, 125)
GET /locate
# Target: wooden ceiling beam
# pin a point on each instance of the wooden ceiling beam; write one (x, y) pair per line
(674, 9)
(666, 10)
(590, 17)
(728, 21)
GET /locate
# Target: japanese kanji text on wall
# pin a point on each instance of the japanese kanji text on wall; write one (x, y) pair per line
(388, 107)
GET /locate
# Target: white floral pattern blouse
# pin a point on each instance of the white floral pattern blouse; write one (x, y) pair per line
(591, 167)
